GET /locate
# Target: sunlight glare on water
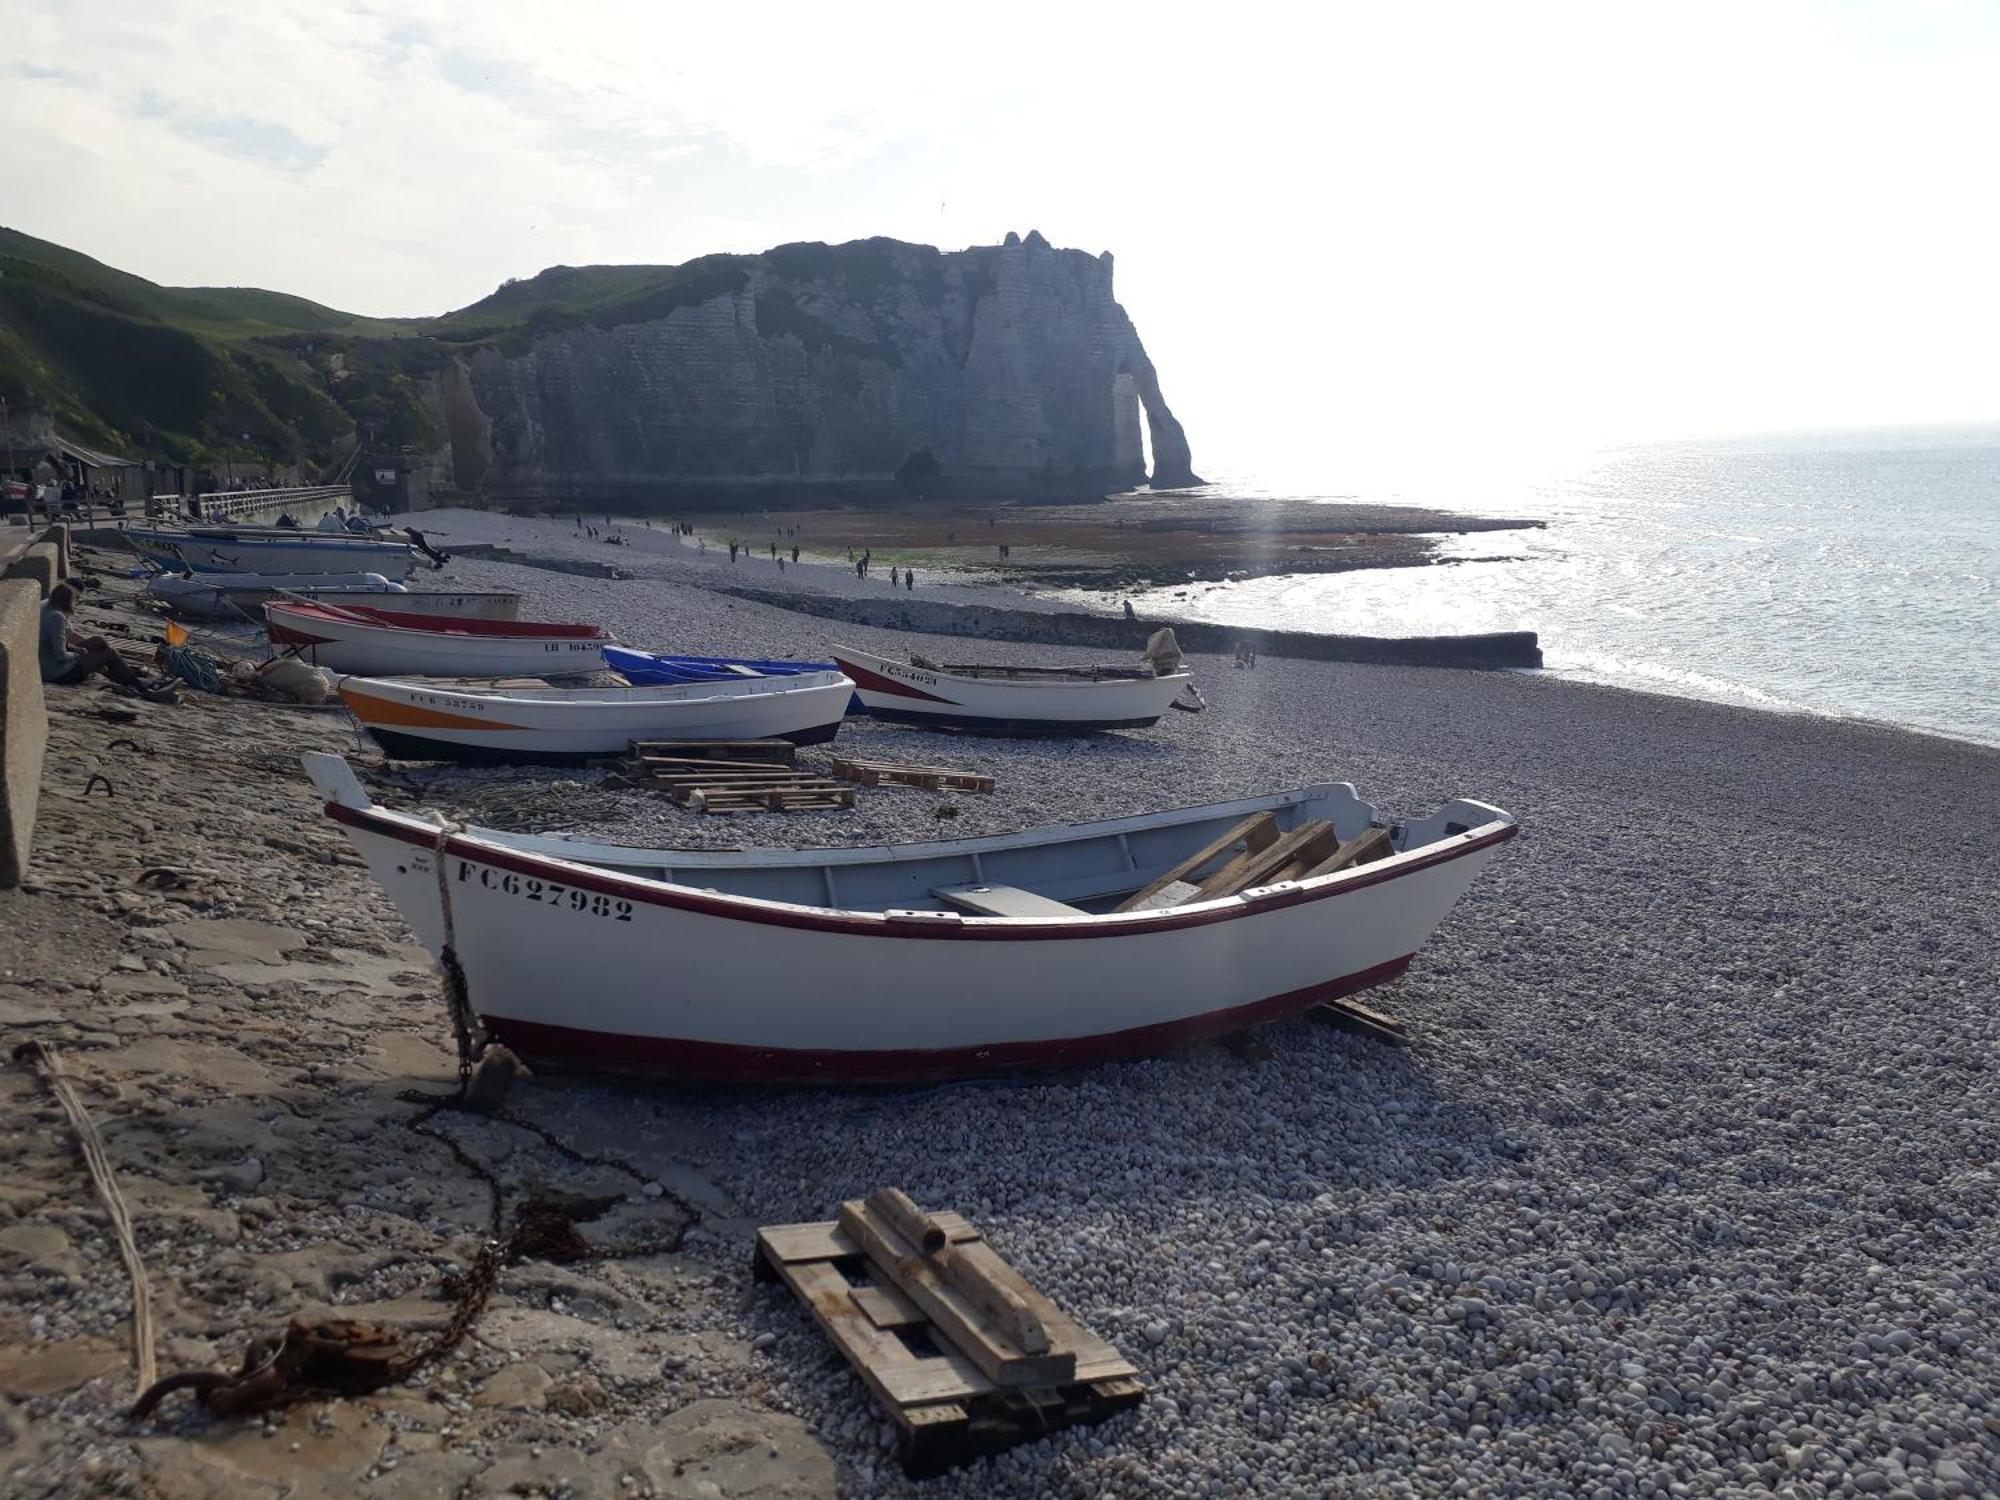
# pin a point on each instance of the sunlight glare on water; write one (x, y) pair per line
(1851, 574)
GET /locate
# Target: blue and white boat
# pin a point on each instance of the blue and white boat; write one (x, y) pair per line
(657, 669)
(255, 549)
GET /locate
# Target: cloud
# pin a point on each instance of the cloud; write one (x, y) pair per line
(1363, 218)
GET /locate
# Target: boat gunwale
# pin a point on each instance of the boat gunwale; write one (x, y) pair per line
(718, 691)
(1068, 676)
(352, 617)
(405, 828)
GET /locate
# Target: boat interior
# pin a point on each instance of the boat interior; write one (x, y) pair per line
(1031, 673)
(1147, 863)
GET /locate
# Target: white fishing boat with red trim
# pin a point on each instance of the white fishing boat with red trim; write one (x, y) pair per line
(433, 721)
(1009, 700)
(392, 643)
(1062, 945)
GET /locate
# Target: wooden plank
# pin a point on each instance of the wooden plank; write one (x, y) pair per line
(882, 1359)
(1259, 831)
(988, 1330)
(1252, 866)
(1003, 901)
(689, 767)
(777, 751)
(1095, 1359)
(877, 773)
(886, 1307)
(826, 1240)
(1374, 843)
(1359, 1019)
(783, 1242)
(911, 1222)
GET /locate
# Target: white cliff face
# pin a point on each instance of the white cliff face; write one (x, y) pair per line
(1013, 366)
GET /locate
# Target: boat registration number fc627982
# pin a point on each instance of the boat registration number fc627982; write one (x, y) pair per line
(545, 892)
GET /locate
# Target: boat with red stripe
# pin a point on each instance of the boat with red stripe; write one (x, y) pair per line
(1059, 945)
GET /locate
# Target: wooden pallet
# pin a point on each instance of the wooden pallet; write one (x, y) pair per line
(715, 784)
(963, 1354)
(893, 773)
(765, 752)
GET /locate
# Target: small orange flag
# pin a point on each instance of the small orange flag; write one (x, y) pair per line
(175, 635)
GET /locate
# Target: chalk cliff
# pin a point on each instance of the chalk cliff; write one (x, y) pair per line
(875, 365)
(869, 368)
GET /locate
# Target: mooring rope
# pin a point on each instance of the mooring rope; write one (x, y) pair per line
(457, 995)
(47, 1065)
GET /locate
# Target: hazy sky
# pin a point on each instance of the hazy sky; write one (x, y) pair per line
(1351, 236)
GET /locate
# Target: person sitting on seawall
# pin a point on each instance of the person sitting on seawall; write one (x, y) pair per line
(69, 659)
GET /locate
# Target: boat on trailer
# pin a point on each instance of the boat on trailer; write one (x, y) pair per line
(431, 721)
(1012, 699)
(1062, 945)
(391, 643)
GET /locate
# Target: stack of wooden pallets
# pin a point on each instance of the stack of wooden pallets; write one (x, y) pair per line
(965, 1356)
(895, 773)
(728, 776)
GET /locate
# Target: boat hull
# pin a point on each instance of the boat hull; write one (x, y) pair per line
(232, 596)
(306, 552)
(362, 644)
(562, 960)
(903, 693)
(425, 721)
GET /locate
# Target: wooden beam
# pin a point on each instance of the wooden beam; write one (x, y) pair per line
(1259, 831)
(989, 1323)
(1374, 843)
(1254, 866)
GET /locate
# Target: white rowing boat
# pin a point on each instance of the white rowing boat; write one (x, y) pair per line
(270, 550)
(440, 605)
(921, 960)
(425, 721)
(231, 596)
(389, 643)
(1009, 700)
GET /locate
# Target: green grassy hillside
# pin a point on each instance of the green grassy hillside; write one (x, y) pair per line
(196, 374)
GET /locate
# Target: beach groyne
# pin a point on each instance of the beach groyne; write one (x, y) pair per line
(1494, 650)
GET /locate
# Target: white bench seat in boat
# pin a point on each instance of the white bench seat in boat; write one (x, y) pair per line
(1003, 901)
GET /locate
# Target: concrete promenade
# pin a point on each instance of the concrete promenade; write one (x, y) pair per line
(30, 565)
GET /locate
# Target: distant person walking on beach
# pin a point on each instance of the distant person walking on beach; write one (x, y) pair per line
(1130, 613)
(795, 552)
(892, 575)
(909, 580)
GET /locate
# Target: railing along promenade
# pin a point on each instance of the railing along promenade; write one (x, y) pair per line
(242, 505)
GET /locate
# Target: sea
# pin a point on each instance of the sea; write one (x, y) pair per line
(1854, 574)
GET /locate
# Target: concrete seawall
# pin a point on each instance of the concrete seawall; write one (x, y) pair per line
(1500, 649)
(28, 570)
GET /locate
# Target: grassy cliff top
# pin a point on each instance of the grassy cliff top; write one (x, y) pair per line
(196, 373)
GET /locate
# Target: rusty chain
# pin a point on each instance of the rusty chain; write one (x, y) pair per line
(313, 1360)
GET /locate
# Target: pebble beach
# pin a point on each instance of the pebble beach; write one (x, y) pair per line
(1689, 1184)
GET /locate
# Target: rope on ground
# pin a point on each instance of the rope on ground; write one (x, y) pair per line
(43, 1058)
